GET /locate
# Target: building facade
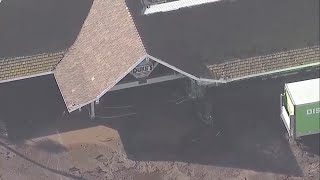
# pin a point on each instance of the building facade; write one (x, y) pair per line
(104, 45)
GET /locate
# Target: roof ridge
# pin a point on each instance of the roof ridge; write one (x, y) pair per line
(135, 26)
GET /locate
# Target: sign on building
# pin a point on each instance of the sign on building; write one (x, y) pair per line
(144, 69)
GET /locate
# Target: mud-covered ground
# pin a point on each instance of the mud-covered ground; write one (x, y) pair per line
(158, 138)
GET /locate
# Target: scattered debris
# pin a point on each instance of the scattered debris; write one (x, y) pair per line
(128, 164)
(181, 101)
(175, 173)
(73, 169)
(218, 133)
(99, 169)
(99, 156)
(9, 155)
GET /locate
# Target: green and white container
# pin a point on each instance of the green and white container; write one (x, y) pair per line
(300, 107)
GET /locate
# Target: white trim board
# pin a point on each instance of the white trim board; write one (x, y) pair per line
(149, 81)
(26, 77)
(275, 71)
(209, 81)
(175, 5)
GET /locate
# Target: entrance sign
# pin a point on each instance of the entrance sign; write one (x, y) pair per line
(144, 69)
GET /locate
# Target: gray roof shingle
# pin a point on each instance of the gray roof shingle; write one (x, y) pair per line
(24, 66)
(242, 68)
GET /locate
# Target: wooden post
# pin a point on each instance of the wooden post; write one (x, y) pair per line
(92, 112)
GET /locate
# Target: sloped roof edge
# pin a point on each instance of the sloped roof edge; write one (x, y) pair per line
(191, 76)
(26, 77)
(107, 88)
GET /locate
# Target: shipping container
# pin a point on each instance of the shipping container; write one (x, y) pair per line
(300, 108)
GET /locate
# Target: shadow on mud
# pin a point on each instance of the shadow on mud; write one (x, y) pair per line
(250, 135)
(38, 164)
(50, 146)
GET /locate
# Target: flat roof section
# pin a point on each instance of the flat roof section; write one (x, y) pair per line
(304, 92)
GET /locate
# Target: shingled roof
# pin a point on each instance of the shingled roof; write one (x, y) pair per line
(107, 48)
(28, 66)
(221, 41)
(195, 38)
(261, 65)
(34, 34)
